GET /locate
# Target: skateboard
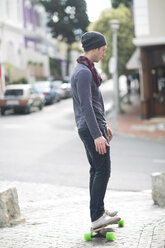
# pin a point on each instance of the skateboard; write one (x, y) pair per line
(103, 232)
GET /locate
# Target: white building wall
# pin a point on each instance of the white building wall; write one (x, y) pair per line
(149, 21)
(141, 17)
(157, 18)
(11, 12)
(12, 44)
(46, 45)
(11, 33)
(34, 56)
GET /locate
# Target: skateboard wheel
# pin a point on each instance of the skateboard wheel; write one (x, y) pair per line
(110, 236)
(121, 223)
(87, 236)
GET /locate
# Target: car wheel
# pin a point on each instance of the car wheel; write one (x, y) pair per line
(52, 101)
(28, 110)
(2, 111)
(41, 106)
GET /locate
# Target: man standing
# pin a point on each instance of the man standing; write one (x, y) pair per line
(91, 124)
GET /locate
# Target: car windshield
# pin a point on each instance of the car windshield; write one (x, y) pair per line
(42, 86)
(14, 92)
(57, 83)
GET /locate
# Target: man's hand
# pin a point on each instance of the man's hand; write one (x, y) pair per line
(100, 144)
(109, 133)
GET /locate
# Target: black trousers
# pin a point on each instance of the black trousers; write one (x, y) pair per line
(100, 167)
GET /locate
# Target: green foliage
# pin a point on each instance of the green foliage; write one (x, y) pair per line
(8, 68)
(125, 36)
(20, 81)
(30, 62)
(116, 3)
(55, 68)
(67, 19)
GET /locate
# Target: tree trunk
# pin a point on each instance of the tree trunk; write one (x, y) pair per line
(68, 59)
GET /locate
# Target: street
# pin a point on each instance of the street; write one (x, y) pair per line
(44, 147)
(42, 156)
(44, 172)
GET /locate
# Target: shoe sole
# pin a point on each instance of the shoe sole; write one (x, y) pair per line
(111, 222)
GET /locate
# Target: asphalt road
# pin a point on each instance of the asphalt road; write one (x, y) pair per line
(44, 147)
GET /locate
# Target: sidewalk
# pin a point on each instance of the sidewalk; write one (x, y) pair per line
(58, 217)
(130, 122)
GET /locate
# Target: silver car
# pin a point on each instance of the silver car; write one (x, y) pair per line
(21, 97)
(64, 86)
(49, 90)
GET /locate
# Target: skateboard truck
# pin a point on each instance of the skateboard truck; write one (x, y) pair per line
(110, 236)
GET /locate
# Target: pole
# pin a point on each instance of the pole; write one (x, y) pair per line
(115, 79)
(115, 26)
(115, 75)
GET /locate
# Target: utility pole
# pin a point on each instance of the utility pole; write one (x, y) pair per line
(115, 26)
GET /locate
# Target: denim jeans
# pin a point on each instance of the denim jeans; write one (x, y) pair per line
(100, 167)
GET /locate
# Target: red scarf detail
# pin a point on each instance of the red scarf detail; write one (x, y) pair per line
(96, 76)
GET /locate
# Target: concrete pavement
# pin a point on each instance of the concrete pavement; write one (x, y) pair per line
(130, 122)
(58, 217)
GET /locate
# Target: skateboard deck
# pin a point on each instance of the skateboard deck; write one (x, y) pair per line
(103, 232)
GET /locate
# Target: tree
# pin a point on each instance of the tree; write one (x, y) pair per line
(125, 36)
(116, 3)
(67, 20)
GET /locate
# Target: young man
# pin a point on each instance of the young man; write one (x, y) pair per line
(91, 124)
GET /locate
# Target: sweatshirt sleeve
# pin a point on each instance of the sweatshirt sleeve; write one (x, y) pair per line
(85, 98)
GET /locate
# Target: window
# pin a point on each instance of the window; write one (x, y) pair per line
(10, 52)
(7, 9)
(32, 91)
(30, 44)
(159, 84)
(19, 10)
(17, 92)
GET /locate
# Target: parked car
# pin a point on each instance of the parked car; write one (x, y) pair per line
(65, 86)
(21, 97)
(51, 93)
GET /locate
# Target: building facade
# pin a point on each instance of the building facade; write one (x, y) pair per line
(149, 21)
(11, 40)
(27, 49)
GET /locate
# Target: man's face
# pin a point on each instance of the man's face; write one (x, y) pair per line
(99, 53)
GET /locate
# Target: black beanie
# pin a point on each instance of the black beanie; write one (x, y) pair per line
(92, 40)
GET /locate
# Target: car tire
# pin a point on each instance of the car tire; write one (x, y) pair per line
(41, 106)
(28, 110)
(2, 111)
(52, 101)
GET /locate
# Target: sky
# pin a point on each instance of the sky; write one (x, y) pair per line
(95, 7)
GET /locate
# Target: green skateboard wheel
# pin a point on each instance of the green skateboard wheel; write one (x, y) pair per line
(88, 236)
(110, 236)
(121, 223)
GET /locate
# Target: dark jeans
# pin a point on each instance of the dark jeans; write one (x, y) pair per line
(100, 166)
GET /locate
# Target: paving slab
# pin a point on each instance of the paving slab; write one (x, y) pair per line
(58, 216)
